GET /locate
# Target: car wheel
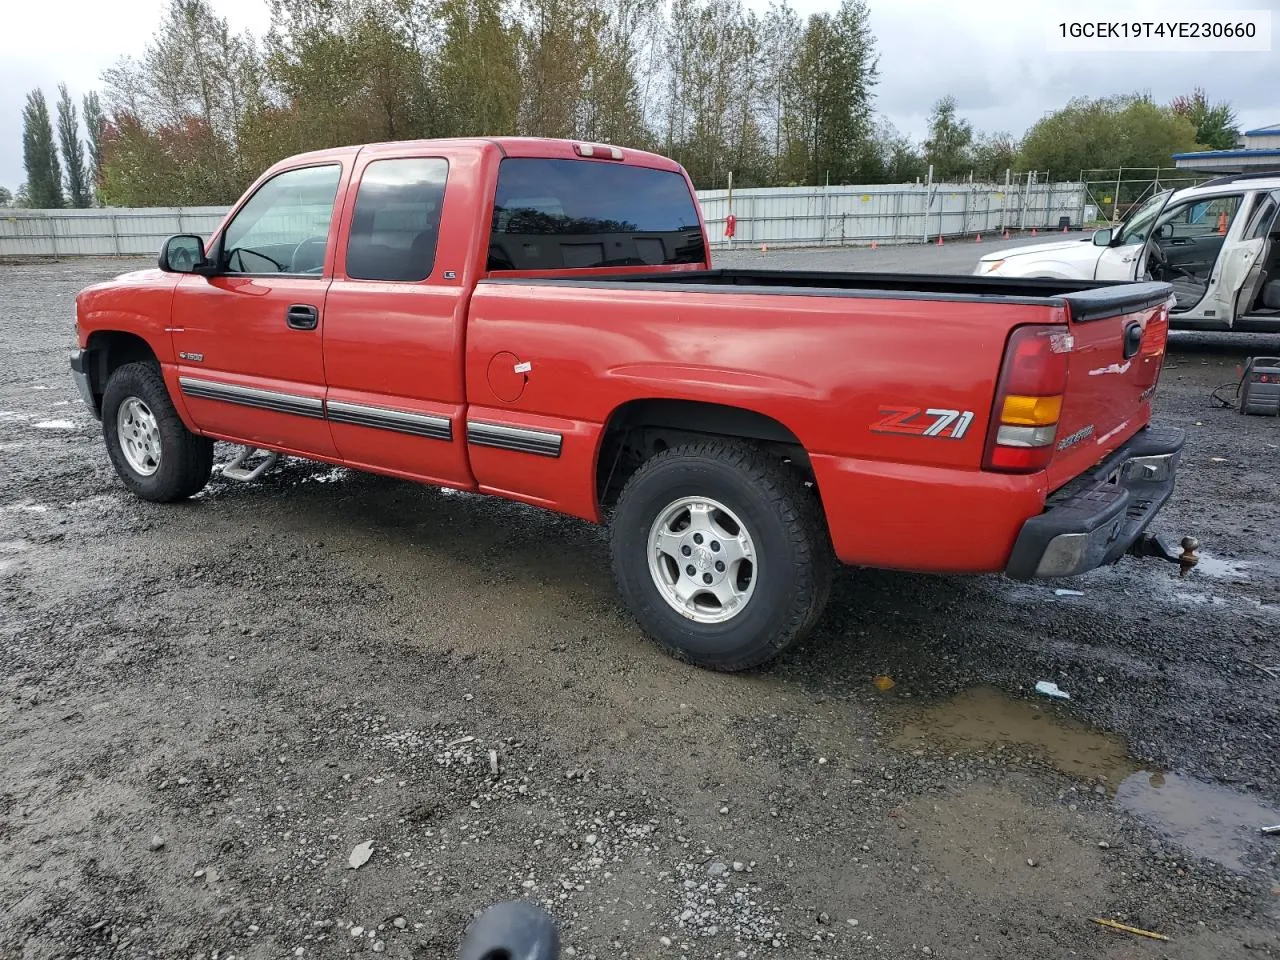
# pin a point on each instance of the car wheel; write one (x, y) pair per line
(152, 450)
(721, 553)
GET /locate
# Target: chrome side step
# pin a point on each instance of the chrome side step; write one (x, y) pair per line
(236, 469)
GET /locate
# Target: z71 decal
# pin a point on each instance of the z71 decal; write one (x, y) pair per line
(933, 422)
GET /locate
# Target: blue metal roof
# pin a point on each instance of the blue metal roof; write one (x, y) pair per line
(1264, 131)
(1226, 154)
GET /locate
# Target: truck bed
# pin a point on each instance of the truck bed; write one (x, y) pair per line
(1087, 299)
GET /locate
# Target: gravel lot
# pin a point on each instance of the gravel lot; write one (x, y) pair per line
(205, 708)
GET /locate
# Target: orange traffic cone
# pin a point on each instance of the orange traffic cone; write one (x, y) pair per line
(1033, 231)
(1064, 228)
(764, 248)
(1222, 222)
(873, 245)
(1006, 233)
(939, 239)
(978, 238)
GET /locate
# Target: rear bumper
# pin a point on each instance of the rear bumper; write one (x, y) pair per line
(1096, 518)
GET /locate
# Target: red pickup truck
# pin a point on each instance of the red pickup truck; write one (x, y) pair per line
(539, 320)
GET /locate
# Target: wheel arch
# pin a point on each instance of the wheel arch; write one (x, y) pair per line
(107, 351)
(639, 428)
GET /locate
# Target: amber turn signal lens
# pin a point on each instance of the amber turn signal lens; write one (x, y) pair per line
(1031, 411)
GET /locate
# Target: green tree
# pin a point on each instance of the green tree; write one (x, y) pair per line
(780, 32)
(22, 199)
(95, 122)
(475, 75)
(950, 141)
(710, 122)
(829, 119)
(889, 156)
(1122, 131)
(992, 154)
(613, 99)
(1216, 124)
(560, 43)
(40, 154)
(77, 179)
(190, 91)
(6, 198)
(347, 71)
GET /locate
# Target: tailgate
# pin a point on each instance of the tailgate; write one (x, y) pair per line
(1120, 334)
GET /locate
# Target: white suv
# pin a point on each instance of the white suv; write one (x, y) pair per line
(1217, 243)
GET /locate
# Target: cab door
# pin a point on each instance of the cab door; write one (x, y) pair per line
(397, 311)
(248, 336)
(1245, 270)
(1123, 258)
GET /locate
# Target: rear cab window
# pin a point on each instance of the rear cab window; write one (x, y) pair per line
(395, 225)
(552, 214)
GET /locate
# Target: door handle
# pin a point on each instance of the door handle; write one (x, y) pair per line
(302, 316)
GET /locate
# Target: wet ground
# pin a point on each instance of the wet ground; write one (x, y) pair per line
(204, 709)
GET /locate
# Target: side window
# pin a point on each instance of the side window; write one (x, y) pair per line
(284, 227)
(560, 214)
(396, 221)
(1202, 218)
(1263, 216)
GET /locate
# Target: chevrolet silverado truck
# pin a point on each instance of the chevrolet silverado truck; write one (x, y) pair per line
(539, 320)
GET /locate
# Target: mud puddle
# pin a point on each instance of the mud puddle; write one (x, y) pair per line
(984, 718)
(1212, 822)
(1221, 568)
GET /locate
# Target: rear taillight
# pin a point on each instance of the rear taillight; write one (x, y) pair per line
(1024, 420)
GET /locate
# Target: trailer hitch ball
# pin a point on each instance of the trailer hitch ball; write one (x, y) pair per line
(1188, 558)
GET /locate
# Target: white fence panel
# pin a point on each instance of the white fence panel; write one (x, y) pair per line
(784, 216)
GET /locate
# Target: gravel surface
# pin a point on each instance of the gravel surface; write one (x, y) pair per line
(209, 713)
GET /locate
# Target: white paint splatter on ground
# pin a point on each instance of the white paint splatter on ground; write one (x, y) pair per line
(55, 425)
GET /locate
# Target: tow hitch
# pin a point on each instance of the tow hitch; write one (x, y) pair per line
(1155, 545)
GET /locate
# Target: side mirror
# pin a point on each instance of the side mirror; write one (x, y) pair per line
(1102, 238)
(183, 253)
(1164, 231)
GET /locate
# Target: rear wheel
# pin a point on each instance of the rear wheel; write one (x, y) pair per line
(721, 553)
(154, 453)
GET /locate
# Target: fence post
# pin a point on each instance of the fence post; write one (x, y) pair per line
(53, 234)
(115, 234)
(928, 202)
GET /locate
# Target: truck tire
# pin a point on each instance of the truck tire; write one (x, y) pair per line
(154, 453)
(721, 553)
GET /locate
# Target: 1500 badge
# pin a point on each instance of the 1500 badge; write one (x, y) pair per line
(931, 422)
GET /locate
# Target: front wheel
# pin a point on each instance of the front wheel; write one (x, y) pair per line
(721, 552)
(153, 452)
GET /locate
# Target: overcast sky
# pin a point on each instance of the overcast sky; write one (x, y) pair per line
(991, 54)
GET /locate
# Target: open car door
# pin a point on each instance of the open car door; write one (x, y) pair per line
(1125, 257)
(1249, 267)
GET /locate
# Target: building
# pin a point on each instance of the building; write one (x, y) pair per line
(1257, 150)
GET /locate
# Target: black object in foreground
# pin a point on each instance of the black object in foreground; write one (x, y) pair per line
(513, 930)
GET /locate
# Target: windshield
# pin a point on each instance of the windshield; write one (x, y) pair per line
(1139, 222)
